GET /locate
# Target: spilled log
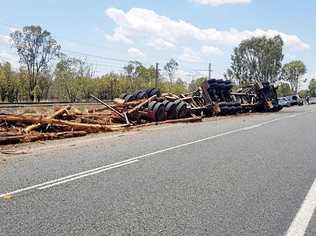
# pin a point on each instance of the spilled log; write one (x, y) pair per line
(55, 115)
(92, 128)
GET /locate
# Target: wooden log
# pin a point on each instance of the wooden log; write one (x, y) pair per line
(119, 101)
(131, 103)
(124, 115)
(19, 118)
(40, 136)
(45, 121)
(118, 106)
(7, 133)
(108, 106)
(80, 126)
(55, 115)
(103, 109)
(51, 136)
(11, 139)
(93, 121)
(169, 98)
(142, 104)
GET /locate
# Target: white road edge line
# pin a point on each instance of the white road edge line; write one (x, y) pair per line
(84, 173)
(301, 221)
(60, 179)
(82, 176)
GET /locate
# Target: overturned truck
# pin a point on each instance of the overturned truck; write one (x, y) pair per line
(213, 98)
(260, 97)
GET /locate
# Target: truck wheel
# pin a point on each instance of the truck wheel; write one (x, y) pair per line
(181, 110)
(129, 98)
(142, 95)
(153, 92)
(151, 105)
(159, 110)
(171, 110)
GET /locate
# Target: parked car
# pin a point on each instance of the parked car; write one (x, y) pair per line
(295, 100)
(284, 102)
(312, 100)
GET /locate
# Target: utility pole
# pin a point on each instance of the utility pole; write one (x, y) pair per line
(210, 70)
(157, 75)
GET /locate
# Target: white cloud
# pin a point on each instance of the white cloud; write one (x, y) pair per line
(118, 36)
(4, 39)
(9, 57)
(189, 76)
(211, 51)
(13, 29)
(183, 75)
(135, 53)
(147, 24)
(190, 55)
(221, 2)
(160, 44)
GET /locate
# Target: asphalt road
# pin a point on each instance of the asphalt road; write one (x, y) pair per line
(245, 175)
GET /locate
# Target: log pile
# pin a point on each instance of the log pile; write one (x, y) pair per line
(214, 97)
(68, 122)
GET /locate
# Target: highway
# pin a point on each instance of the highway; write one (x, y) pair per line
(251, 174)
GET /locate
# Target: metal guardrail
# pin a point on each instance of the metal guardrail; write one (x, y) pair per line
(48, 104)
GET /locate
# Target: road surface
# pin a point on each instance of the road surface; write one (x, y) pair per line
(245, 175)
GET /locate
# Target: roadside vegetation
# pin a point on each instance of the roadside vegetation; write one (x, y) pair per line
(46, 73)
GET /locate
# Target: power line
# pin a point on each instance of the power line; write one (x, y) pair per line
(96, 46)
(77, 52)
(189, 62)
(200, 70)
(96, 56)
(104, 58)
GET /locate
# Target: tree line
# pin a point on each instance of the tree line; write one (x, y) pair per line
(47, 73)
(261, 59)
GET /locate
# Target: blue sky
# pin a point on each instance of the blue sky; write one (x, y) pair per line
(193, 32)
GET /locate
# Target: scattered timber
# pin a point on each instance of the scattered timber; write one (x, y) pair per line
(143, 108)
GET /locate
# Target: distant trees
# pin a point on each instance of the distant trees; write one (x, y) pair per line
(72, 79)
(284, 89)
(196, 83)
(312, 88)
(138, 74)
(260, 59)
(5, 77)
(171, 67)
(311, 91)
(292, 72)
(36, 49)
(257, 59)
(304, 93)
(9, 83)
(179, 87)
(141, 77)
